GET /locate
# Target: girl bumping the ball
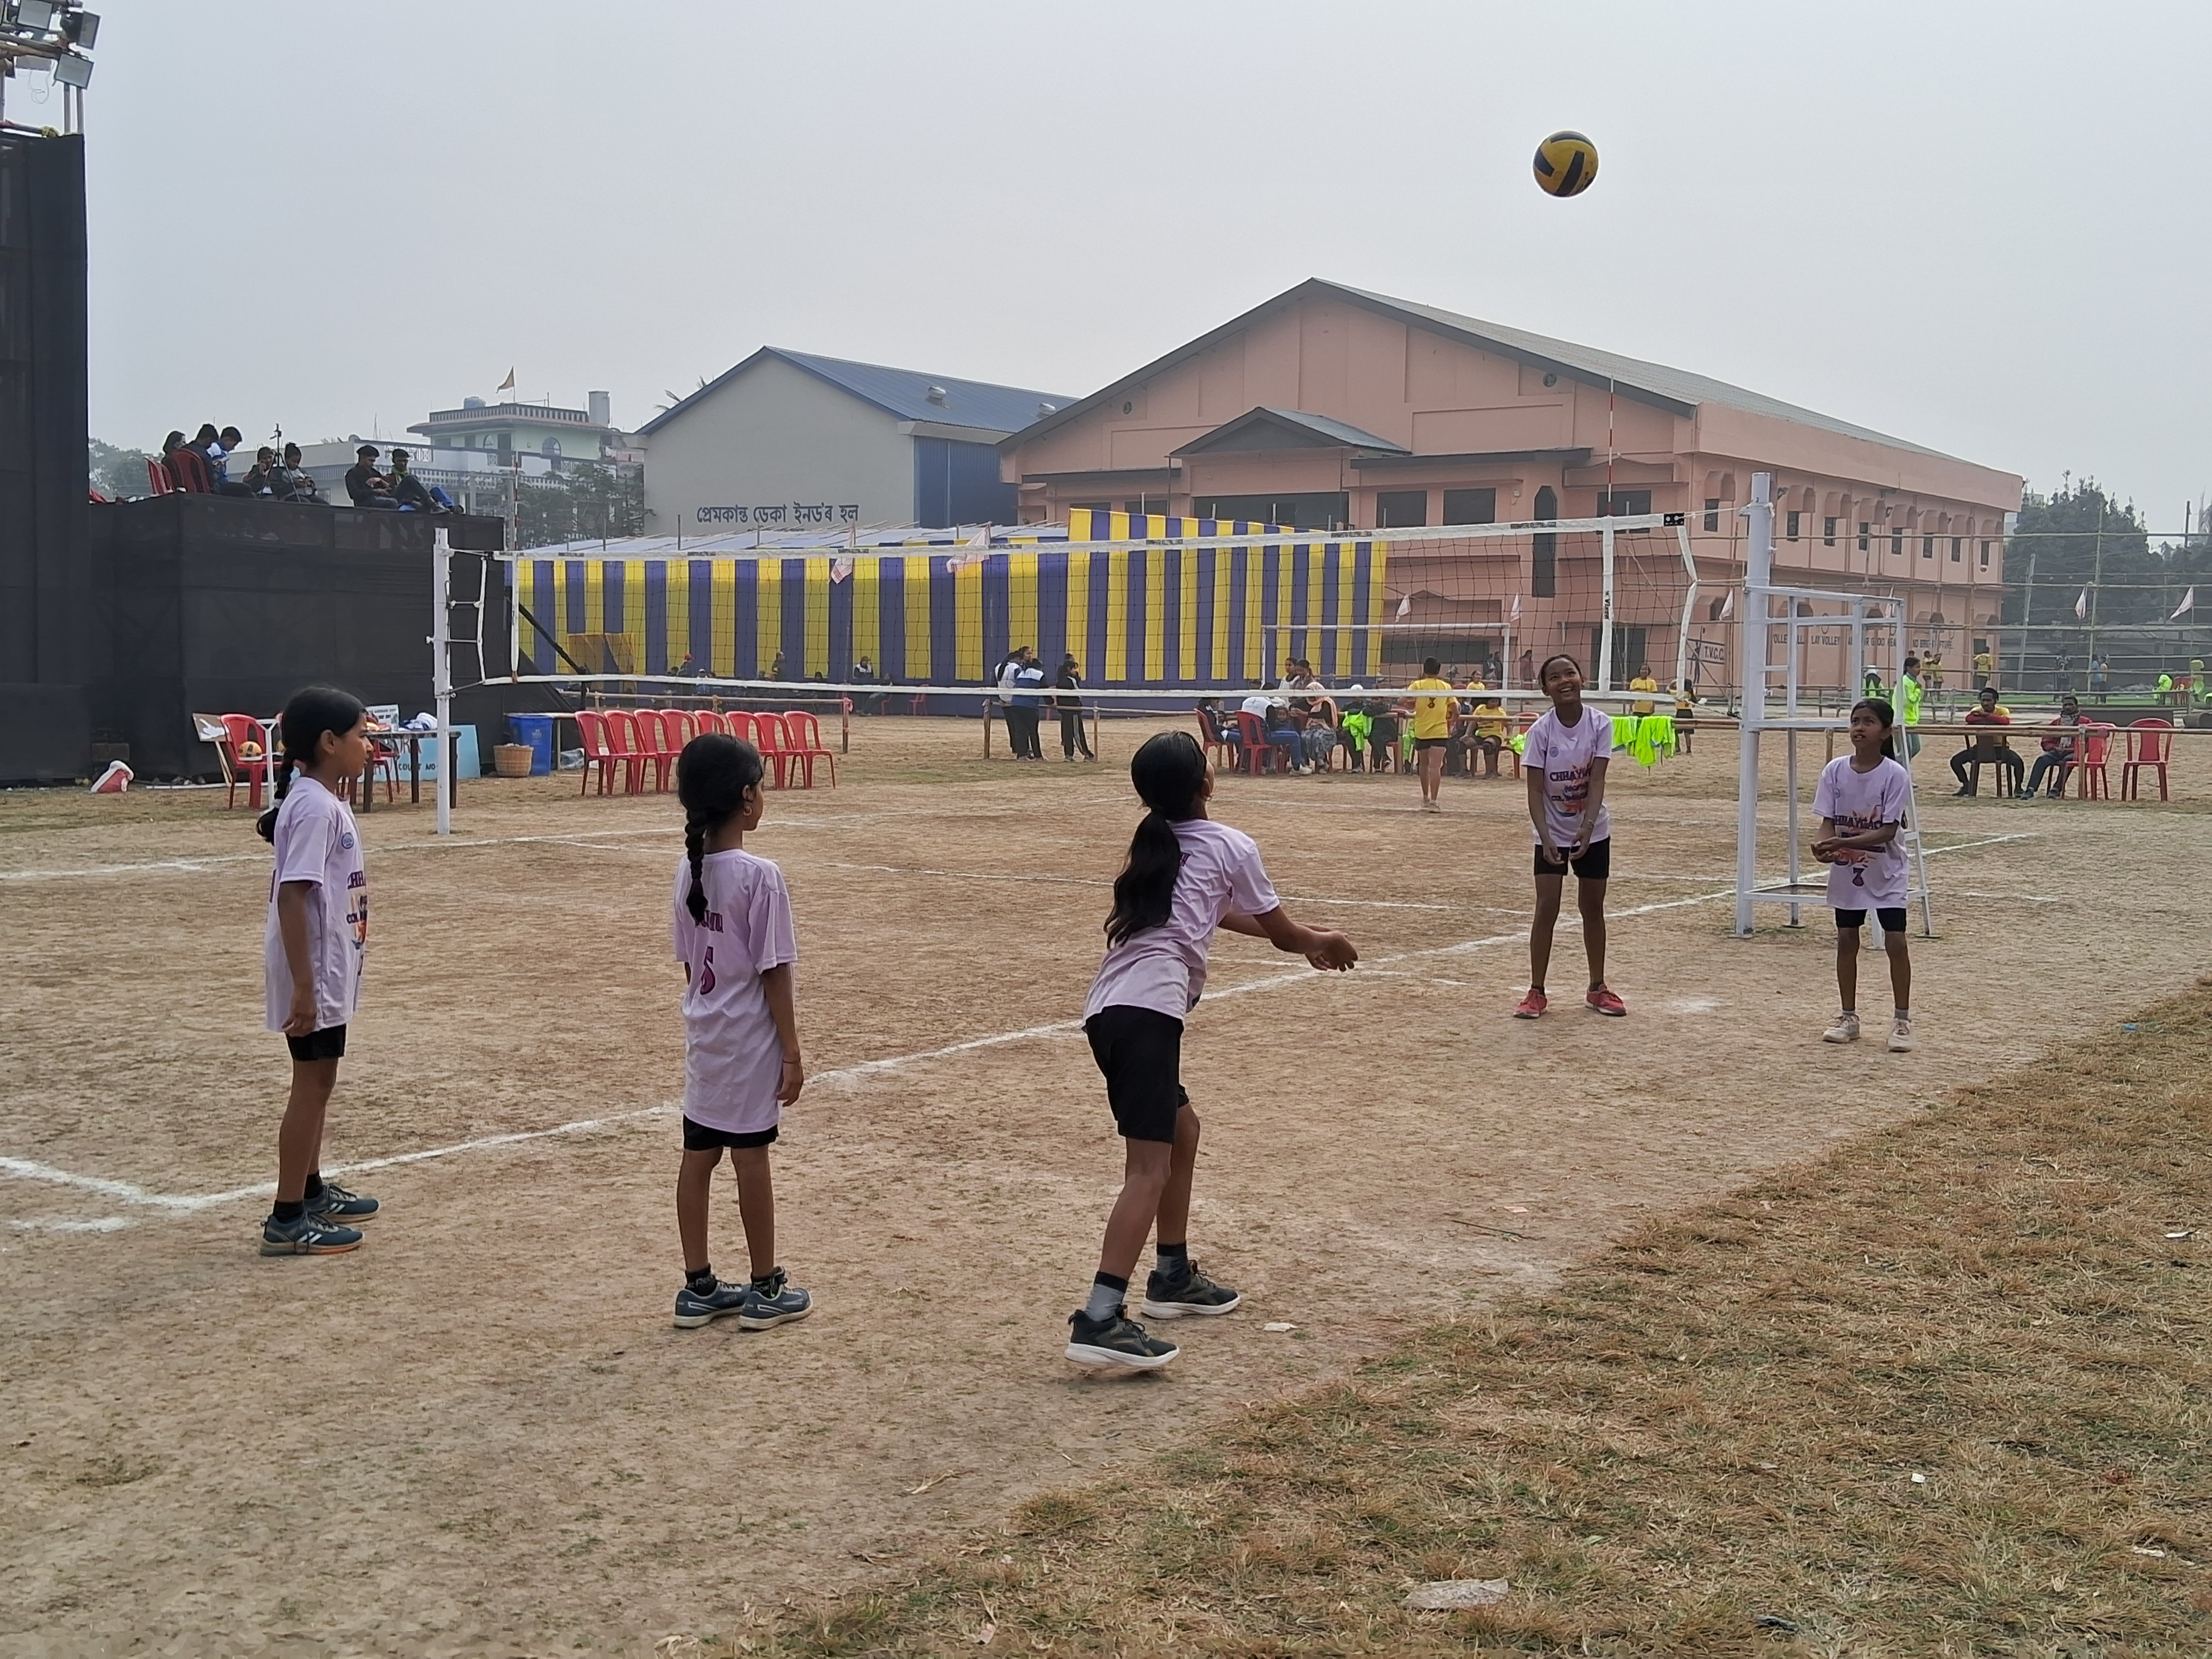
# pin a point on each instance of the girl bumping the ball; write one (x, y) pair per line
(1186, 876)
(741, 1066)
(312, 949)
(1860, 799)
(1564, 760)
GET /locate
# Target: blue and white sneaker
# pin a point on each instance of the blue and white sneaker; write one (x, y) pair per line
(770, 1302)
(697, 1308)
(306, 1234)
(343, 1205)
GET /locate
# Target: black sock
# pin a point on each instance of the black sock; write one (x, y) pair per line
(314, 1189)
(1107, 1294)
(290, 1209)
(766, 1279)
(700, 1279)
(1174, 1259)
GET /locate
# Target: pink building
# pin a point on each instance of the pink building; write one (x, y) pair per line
(1327, 407)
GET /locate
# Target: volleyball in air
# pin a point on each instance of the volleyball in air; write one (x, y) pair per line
(1566, 162)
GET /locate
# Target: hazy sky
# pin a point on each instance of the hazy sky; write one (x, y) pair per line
(1978, 226)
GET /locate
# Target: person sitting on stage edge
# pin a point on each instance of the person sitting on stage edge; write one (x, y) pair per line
(1990, 712)
(409, 491)
(365, 485)
(260, 480)
(290, 482)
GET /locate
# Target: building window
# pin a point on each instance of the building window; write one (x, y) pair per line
(1623, 504)
(1712, 513)
(1828, 533)
(1897, 543)
(1470, 506)
(1792, 523)
(1927, 547)
(1401, 510)
(1955, 550)
(1863, 529)
(1985, 556)
(1544, 555)
(550, 447)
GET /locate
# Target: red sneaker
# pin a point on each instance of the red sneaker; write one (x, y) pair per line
(1602, 998)
(1532, 1006)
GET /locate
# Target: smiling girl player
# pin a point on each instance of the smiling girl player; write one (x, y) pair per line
(1862, 797)
(1186, 875)
(1564, 760)
(312, 949)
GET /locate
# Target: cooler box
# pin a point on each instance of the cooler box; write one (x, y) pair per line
(465, 736)
(535, 732)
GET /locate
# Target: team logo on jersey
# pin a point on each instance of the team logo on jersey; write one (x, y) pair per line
(345, 841)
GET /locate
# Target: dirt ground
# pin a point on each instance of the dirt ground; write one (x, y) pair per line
(480, 1433)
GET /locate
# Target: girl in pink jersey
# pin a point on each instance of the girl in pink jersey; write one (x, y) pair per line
(741, 1065)
(1186, 876)
(1564, 759)
(312, 949)
(1860, 799)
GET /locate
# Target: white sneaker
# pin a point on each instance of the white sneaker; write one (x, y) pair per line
(1900, 1038)
(1845, 1030)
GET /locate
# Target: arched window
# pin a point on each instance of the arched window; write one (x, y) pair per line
(1544, 560)
(551, 447)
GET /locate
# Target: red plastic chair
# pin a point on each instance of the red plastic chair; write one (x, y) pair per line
(1259, 755)
(2150, 745)
(246, 755)
(627, 744)
(707, 721)
(592, 725)
(806, 744)
(1216, 747)
(739, 725)
(190, 470)
(2095, 783)
(159, 478)
(773, 740)
(657, 743)
(678, 726)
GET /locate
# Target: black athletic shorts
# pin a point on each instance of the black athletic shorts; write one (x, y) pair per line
(329, 1043)
(698, 1137)
(1420, 743)
(1892, 919)
(1140, 1052)
(1594, 864)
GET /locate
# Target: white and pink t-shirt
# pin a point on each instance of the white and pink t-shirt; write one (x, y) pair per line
(1163, 967)
(732, 1057)
(1563, 756)
(1856, 802)
(317, 844)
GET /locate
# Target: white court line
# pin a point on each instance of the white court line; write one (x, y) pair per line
(1092, 881)
(126, 1193)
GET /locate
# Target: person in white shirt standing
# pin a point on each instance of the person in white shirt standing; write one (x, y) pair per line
(1564, 759)
(1861, 798)
(312, 949)
(1185, 876)
(733, 934)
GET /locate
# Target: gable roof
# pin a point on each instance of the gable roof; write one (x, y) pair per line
(1674, 390)
(902, 393)
(1317, 430)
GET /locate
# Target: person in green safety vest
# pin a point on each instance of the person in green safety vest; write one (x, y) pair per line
(2165, 687)
(1908, 703)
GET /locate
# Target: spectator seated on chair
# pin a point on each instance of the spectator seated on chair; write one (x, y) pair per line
(1486, 730)
(2057, 756)
(1353, 731)
(409, 491)
(188, 466)
(365, 485)
(1988, 712)
(216, 447)
(288, 481)
(1386, 727)
(260, 480)
(1319, 733)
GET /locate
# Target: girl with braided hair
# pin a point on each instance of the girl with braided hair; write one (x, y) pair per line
(741, 1066)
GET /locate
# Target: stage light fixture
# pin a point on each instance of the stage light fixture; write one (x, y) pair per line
(73, 71)
(36, 13)
(82, 28)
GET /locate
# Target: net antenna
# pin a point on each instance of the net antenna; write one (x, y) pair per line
(1782, 618)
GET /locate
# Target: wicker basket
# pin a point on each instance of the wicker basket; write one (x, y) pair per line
(511, 760)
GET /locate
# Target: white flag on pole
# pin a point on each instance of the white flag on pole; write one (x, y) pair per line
(2188, 603)
(1513, 615)
(1728, 605)
(1405, 607)
(2082, 606)
(977, 546)
(839, 568)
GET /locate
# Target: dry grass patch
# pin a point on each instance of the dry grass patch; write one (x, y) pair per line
(1942, 1392)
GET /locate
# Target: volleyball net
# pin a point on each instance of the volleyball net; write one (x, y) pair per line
(1156, 611)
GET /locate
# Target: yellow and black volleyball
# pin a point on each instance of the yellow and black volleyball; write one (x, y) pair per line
(1566, 162)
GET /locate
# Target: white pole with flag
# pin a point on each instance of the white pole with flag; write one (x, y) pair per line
(1505, 664)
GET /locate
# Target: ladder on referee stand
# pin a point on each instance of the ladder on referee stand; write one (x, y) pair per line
(1777, 617)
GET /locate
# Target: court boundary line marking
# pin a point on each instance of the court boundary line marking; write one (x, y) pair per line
(191, 1203)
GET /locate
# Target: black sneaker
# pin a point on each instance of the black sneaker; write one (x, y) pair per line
(1119, 1341)
(697, 1308)
(1192, 1293)
(771, 1301)
(306, 1234)
(342, 1205)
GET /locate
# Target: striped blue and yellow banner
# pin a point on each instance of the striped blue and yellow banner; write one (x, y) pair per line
(1167, 613)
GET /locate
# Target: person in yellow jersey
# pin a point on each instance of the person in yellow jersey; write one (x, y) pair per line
(1488, 725)
(1644, 683)
(1985, 669)
(1433, 725)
